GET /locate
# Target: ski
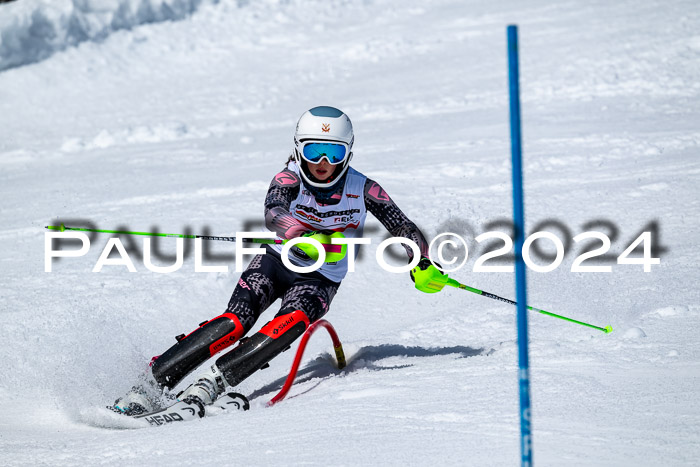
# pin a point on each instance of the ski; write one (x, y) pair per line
(192, 409)
(232, 401)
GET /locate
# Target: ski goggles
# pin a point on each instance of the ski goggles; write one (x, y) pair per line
(314, 151)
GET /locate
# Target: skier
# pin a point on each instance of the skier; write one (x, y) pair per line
(316, 193)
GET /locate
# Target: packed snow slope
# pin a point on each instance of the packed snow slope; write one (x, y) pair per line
(180, 124)
(31, 31)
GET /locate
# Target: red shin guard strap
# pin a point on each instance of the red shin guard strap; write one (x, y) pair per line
(282, 324)
(230, 338)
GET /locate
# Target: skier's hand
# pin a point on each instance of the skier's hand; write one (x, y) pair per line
(313, 233)
(334, 252)
(427, 277)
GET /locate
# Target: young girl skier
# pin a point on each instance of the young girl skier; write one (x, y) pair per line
(316, 193)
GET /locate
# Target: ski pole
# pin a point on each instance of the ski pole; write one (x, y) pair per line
(334, 252)
(454, 283)
(267, 241)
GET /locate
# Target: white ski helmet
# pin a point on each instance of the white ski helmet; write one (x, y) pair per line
(323, 132)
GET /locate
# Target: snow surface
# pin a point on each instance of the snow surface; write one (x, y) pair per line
(181, 124)
(31, 31)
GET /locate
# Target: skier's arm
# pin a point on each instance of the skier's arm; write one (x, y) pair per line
(425, 275)
(283, 189)
(392, 218)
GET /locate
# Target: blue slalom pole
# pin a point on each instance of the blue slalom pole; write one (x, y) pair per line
(519, 221)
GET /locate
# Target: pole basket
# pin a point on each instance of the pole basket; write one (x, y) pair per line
(337, 346)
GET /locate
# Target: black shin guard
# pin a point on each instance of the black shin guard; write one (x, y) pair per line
(191, 351)
(253, 353)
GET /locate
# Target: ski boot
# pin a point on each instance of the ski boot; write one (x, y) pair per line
(144, 397)
(136, 402)
(208, 387)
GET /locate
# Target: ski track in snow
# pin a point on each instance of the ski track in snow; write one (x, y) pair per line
(180, 124)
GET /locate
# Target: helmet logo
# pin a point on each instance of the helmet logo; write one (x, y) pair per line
(326, 127)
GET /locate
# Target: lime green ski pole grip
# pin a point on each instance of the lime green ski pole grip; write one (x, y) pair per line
(453, 283)
(429, 280)
(334, 252)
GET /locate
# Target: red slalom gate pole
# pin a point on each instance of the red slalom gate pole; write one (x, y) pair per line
(337, 346)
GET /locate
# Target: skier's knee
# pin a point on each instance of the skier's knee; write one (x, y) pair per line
(315, 302)
(244, 312)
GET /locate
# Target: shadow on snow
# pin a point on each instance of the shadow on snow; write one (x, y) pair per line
(366, 358)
